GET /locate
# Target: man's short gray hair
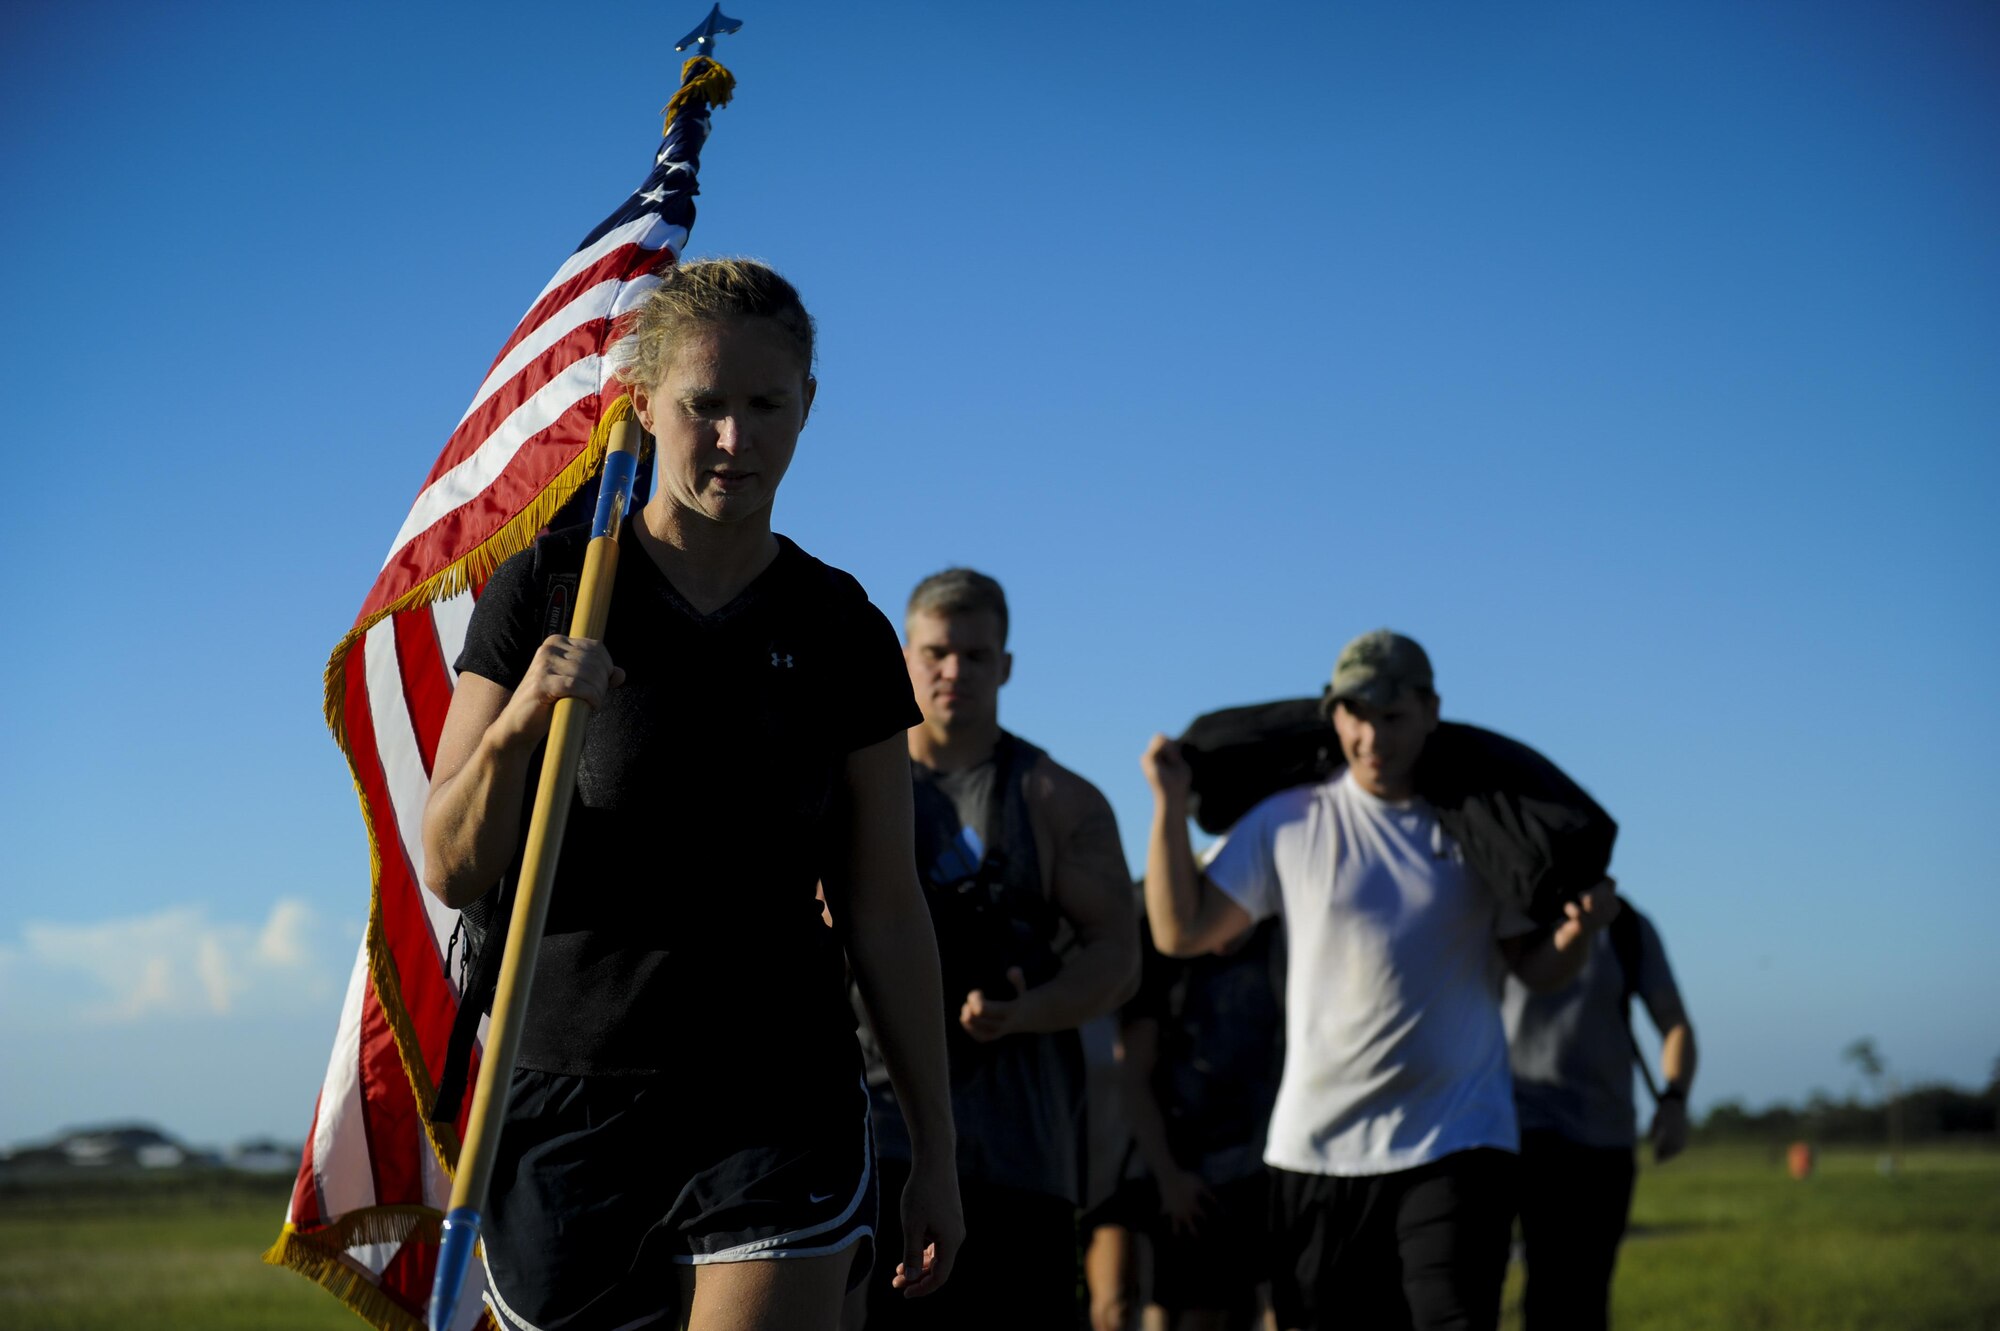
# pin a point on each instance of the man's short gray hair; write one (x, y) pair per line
(959, 591)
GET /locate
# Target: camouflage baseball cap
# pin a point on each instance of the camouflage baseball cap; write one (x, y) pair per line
(1377, 666)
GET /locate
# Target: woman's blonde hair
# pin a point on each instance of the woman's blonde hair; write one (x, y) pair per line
(707, 291)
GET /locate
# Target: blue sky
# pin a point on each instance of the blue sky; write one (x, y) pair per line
(1644, 363)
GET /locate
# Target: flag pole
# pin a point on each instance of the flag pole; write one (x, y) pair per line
(531, 905)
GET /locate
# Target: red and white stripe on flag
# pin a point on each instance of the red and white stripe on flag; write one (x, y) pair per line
(374, 1182)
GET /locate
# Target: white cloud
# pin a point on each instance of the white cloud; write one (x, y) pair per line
(175, 962)
(283, 941)
(220, 981)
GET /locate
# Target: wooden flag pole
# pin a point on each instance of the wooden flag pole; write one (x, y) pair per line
(531, 903)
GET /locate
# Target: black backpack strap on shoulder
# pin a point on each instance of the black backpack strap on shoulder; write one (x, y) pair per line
(559, 566)
(1628, 945)
(1013, 759)
(1005, 763)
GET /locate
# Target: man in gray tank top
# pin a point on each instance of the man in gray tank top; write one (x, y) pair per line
(1571, 1051)
(1037, 934)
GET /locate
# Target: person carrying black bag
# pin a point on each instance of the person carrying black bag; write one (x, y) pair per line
(1392, 1144)
(1572, 1053)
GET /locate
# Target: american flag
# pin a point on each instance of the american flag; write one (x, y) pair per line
(375, 1181)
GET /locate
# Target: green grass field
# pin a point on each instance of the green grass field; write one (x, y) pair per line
(1723, 1241)
(157, 1252)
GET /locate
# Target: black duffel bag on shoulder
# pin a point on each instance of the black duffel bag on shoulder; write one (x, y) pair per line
(1533, 834)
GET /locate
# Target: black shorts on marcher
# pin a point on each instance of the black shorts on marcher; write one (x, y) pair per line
(606, 1187)
(1221, 1263)
(1574, 1204)
(1020, 1268)
(1424, 1248)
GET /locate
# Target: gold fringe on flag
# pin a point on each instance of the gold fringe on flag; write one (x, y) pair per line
(713, 84)
(321, 1259)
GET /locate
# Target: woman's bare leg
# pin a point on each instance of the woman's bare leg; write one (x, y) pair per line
(780, 1294)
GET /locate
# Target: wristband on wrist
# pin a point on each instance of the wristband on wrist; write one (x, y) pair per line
(1675, 1093)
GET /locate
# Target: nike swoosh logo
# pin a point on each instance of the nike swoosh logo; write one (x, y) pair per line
(817, 1197)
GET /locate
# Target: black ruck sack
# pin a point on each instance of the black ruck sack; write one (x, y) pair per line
(1237, 756)
(1532, 833)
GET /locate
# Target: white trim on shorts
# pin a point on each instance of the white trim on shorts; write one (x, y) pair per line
(503, 1314)
(512, 1321)
(773, 1248)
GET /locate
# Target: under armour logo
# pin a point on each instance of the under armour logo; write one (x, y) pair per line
(781, 660)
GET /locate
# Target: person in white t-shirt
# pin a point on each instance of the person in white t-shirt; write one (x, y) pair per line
(1392, 1144)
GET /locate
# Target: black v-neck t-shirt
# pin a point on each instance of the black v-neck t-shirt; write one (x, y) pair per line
(683, 920)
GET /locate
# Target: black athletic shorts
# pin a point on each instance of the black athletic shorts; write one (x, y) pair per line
(604, 1187)
(1418, 1250)
(1020, 1268)
(1221, 1264)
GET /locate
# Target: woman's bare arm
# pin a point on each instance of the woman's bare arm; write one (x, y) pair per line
(472, 816)
(892, 947)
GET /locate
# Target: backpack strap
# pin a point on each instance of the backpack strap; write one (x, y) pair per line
(1628, 945)
(993, 866)
(480, 980)
(1013, 759)
(559, 567)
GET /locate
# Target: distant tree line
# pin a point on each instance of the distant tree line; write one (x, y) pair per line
(1927, 1113)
